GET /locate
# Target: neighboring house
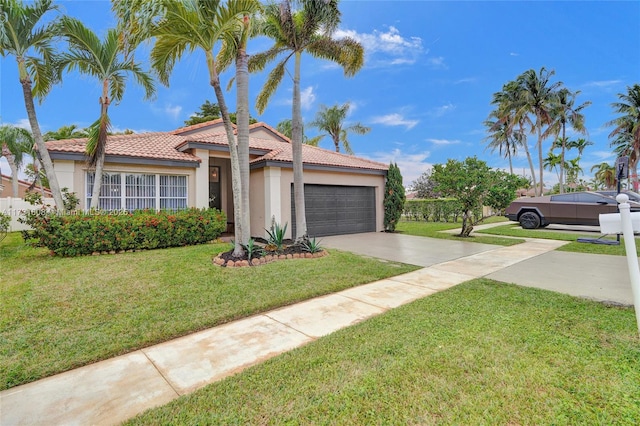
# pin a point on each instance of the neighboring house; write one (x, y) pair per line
(23, 186)
(190, 167)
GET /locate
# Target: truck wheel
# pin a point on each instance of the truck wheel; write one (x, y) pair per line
(529, 220)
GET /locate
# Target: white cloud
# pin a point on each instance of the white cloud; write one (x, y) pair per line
(514, 54)
(443, 141)
(437, 63)
(466, 80)
(307, 97)
(603, 83)
(411, 165)
(442, 110)
(384, 48)
(172, 111)
(23, 123)
(394, 120)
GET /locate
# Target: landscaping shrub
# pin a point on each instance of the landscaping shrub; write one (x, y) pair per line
(436, 210)
(85, 233)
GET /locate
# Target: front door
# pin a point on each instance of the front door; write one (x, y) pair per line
(215, 199)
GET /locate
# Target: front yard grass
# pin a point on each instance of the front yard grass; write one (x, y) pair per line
(482, 352)
(514, 230)
(435, 230)
(61, 313)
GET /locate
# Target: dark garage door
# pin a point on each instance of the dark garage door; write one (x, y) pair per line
(335, 210)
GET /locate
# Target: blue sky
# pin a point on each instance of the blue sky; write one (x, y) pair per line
(430, 71)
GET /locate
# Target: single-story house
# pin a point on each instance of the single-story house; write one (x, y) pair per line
(23, 186)
(190, 167)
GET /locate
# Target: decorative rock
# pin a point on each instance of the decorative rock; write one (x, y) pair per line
(268, 258)
(231, 264)
(289, 256)
(112, 252)
(95, 253)
(244, 263)
(296, 255)
(255, 262)
(308, 255)
(282, 257)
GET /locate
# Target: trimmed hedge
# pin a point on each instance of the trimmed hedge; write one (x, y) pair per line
(435, 210)
(87, 233)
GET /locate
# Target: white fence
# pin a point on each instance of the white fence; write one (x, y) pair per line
(16, 207)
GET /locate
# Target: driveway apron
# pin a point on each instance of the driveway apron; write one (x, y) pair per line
(420, 251)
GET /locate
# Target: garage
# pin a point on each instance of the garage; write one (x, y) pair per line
(336, 209)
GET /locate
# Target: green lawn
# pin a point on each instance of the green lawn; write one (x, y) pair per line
(479, 353)
(61, 313)
(434, 230)
(513, 229)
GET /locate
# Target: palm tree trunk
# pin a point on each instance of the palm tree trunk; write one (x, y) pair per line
(43, 154)
(296, 148)
(564, 147)
(336, 142)
(541, 166)
(14, 174)
(236, 182)
(525, 145)
(101, 147)
(242, 123)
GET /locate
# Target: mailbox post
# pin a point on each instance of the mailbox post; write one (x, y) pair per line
(623, 222)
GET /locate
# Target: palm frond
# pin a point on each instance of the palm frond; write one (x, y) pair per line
(270, 86)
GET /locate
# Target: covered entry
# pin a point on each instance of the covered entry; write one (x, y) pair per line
(337, 209)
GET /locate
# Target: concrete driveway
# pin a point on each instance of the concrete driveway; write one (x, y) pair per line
(420, 251)
(591, 276)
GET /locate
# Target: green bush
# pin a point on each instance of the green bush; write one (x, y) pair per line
(435, 210)
(86, 233)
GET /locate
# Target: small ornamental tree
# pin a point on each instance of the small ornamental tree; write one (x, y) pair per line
(474, 184)
(394, 198)
(424, 186)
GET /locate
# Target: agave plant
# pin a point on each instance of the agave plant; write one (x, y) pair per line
(311, 245)
(276, 236)
(252, 249)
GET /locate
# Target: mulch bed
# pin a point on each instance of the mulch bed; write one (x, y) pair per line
(292, 251)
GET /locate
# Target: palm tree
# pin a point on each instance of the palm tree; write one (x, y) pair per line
(32, 45)
(565, 113)
(504, 119)
(331, 120)
(551, 163)
(605, 174)
(186, 26)
(579, 144)
(537, 98)
(627, 128)
(14, 144)
(103, 60)
(308, 29)
(284, 127)
(573, 170)
(499, 138)
(66, 132)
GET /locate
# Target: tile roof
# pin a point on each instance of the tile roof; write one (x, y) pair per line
(172, 146)
(198, 126)
(156, 145)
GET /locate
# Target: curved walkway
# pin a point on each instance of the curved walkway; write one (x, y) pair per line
(114, 390)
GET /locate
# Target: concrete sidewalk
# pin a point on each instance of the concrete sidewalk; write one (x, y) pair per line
(114, 390)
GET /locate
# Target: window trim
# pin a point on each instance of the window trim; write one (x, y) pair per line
(123, 189)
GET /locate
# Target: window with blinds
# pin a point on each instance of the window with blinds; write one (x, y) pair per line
(136, 191)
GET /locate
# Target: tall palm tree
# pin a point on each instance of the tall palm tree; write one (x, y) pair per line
(605, 174)
(507, 104)
(626, 132)
(24, 36)
(552, 162)
(331, 120)
(294, 32)
(565, 112)
(15, 143)
(103, 60)
(579, 144)
(499, 138)
(186, 26)
(538, 97)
